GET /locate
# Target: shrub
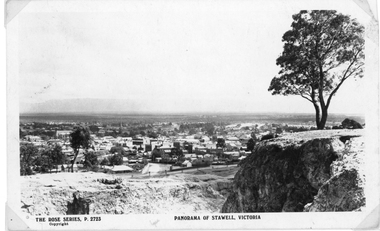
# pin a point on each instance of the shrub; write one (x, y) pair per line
(201, 163)
(105, 161)
(115, 159)
(90, 159)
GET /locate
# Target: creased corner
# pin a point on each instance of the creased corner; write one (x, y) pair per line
(367, 8)
(372, 29)
(14, 221)
(12, 8)
(371, 221)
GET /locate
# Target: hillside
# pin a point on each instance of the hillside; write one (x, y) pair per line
(306, 171)
(99, 193)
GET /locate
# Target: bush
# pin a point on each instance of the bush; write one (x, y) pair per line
(201, 163)
(138, 166)
(90, 159)
(106, 181)
(105, 161)
(118, 150)
(115, 159)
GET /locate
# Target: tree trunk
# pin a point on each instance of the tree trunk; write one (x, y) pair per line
(75, 157)
(320, 116)
(317, 115)
(323, 120)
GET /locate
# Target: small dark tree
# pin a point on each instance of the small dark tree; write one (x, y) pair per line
(90, 159)
(105, 161)
(321, 51)
(192, 131)
(93, 128)
(209, 128)
(152, 134)
(279, 130)
(115, 159)
(118, 150)
(28, 153)
(251, 144)
(79, 138)
(44, 160)
(220, 142)
(56, 155)
(155, 153)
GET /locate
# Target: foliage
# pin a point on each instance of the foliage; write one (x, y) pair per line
(321, 51)
(93, 128)
(104, 161)
(176, 152)
(57, 155)
(220, 143)
(209, 128)
(192, 131)
(251, 144)
(165, 158)
(155, 153)
(119, 150)
(49, 158)
(115, 159)
(279, 130)
(201, 163)
(138, 166)
(90, 159)
(28, 154)
(152, 134)
(79, 138)
(43, 163)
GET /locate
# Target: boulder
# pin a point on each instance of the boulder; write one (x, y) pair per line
(351, 124)
(269, 136)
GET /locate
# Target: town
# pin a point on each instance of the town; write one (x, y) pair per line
(128, 147)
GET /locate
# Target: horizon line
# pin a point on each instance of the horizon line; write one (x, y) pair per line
(180, 113)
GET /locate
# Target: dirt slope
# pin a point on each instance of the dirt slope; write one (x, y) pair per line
(99, 193)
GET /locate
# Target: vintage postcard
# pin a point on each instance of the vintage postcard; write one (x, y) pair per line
(189, 114)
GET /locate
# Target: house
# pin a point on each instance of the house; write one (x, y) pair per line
(165, 149)
(32, 138)
(186, 163)
(55, 142)
(64, 135)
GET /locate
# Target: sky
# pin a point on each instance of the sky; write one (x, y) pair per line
(163, 56)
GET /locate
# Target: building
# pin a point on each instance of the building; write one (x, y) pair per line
(64, 134)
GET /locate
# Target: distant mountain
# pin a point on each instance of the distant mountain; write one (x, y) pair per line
(81, 106)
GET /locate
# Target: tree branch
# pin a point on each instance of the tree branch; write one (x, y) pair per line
(345, 76)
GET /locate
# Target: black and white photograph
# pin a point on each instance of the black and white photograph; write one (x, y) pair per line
(191, 114)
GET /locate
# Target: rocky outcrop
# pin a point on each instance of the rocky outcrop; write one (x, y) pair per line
(344, 190)
(351, 124)
(79, 205)
(306, 171)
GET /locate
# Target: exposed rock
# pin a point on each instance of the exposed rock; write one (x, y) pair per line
(351, 124)
(306, 168)
(79, 205)
(344, 190)
(96, 193)
(269, 136)
(107, 181)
